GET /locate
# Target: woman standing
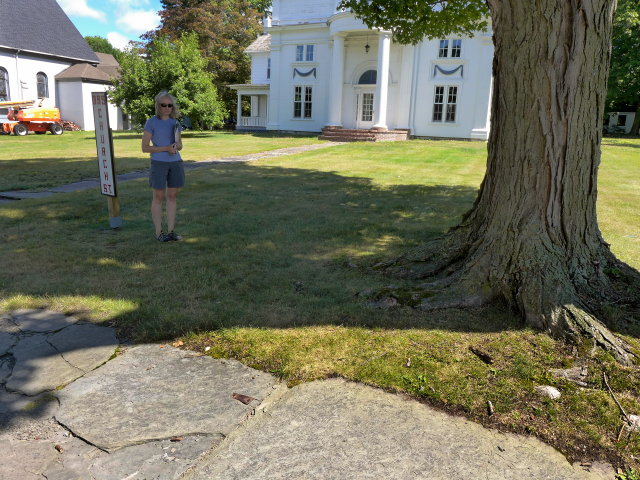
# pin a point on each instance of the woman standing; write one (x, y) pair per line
(167, 170)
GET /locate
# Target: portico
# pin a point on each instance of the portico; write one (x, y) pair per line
(370, 106)
(259, 95)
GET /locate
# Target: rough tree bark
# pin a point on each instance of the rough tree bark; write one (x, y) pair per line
(532, 236)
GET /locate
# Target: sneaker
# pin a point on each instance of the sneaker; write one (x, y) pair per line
(163, 237)
(174, 236)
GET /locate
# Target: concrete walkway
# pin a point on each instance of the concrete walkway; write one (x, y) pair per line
(156, 412)
(95, 182)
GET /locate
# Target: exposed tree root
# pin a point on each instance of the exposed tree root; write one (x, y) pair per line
(549, 294)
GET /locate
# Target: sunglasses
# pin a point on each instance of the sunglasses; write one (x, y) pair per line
(166, 105)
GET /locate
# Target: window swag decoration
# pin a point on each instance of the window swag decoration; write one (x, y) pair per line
(312, 71)
(437, 68)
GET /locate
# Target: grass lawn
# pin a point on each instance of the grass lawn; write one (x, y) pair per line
(274, 253)
(37, 162)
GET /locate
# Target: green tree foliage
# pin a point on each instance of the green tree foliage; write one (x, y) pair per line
(102, 45)
(224, 28)
(411, 21)
(172, 65)
(624, 76)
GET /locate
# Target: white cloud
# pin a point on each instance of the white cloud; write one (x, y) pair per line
(117, 40)
(139, 21)
(79, 8)
(130, 3)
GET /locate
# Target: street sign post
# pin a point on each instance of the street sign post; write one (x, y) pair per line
(106, 165)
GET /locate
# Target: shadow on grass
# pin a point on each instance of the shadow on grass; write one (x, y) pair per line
(199, 134)
(266, 247)
(620, 144)
(49, 172)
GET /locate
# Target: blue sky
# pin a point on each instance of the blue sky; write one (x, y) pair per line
(116, 20)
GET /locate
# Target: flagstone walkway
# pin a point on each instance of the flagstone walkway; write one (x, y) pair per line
(75, 404)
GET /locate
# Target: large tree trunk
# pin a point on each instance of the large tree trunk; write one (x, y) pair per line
(532, 236)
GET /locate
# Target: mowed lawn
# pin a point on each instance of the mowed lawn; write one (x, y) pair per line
(37, 162)
(274, 254)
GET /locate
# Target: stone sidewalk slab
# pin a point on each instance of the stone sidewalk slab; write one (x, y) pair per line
(7, 341)
(337, 430)
(45, 361)
(29, 320)
(153, 393)
(85, 346)
(39, 367)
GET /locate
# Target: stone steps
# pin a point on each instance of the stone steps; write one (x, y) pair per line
(337, 134)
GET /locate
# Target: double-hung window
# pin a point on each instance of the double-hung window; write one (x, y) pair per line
(302, 101)
(304, 53)
(268, 68)
(445, 104)
(443, 51)
(456, 48)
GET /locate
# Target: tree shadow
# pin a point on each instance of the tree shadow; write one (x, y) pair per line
(264, 247)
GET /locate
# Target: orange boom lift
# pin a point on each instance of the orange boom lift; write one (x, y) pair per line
(31, 116)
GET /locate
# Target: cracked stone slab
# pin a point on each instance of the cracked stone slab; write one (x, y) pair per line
(25, 460)
(5, 369)
(29, 320)
(336, 429)
(164, 460)
(27, 418)
(7, 325)
(161, 460)
(85, 346)
(7, 341)
(153, 393)
(39, 367)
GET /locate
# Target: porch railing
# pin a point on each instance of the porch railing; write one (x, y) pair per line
(253, 121)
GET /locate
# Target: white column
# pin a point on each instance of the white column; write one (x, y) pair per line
(382, 85)
(336, 82)
(239, 117)
(274, 94)
(406, 83)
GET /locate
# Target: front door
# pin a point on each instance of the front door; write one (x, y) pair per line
(364, 110)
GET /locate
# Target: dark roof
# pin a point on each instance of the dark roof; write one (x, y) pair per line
(42, 26)
(84, 71)
(107, 59)
(108, 65)
(260, 44)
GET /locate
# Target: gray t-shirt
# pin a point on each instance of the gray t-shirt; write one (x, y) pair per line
(162, 135)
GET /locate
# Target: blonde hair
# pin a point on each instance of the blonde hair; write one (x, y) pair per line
(175, 111)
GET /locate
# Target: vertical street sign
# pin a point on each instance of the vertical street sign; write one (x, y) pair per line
(106, 165)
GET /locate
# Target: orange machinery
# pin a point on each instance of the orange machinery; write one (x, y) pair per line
(31, 116)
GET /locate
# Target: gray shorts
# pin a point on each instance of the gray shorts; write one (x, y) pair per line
(166, 174)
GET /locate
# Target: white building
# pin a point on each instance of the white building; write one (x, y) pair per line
(622, 120)
(43, 55)
(317, 67)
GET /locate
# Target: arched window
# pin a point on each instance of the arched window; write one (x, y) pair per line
(43, 85)
(368, 78)
(4, 85)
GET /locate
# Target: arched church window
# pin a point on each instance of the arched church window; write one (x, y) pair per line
(368, 78)
(43, 85)
(4, 85)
